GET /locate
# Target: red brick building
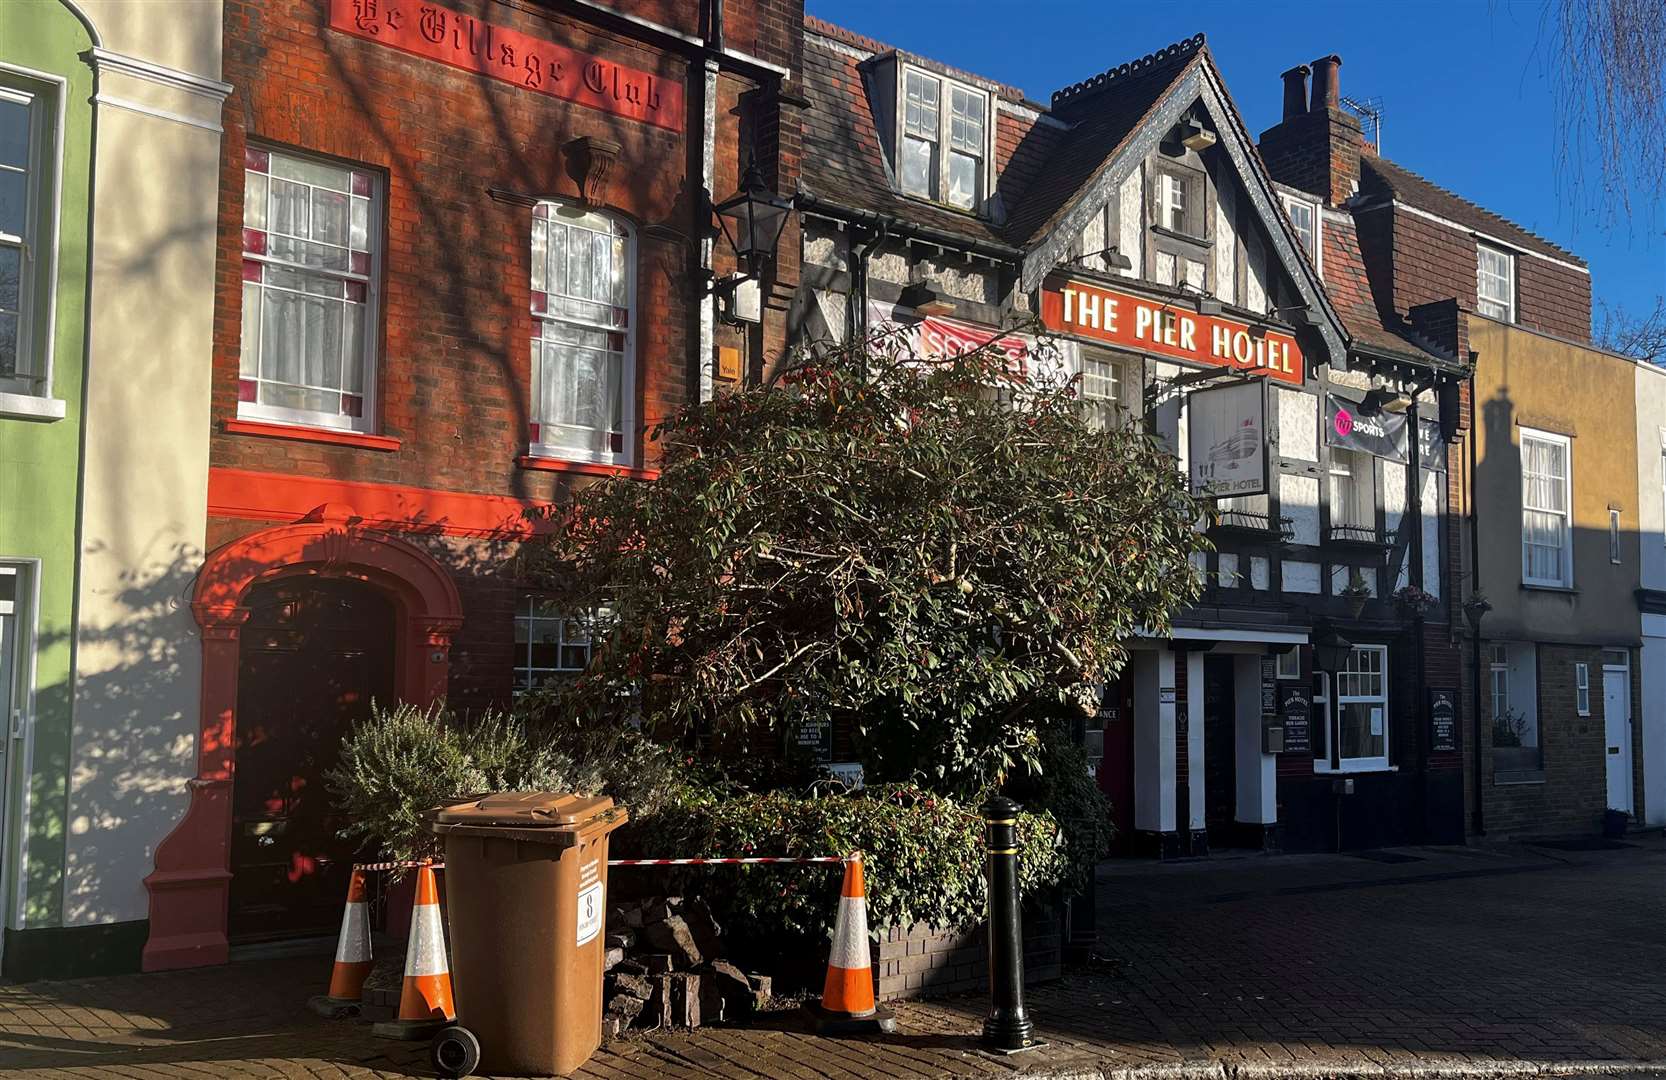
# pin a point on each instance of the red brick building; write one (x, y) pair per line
(465, 256)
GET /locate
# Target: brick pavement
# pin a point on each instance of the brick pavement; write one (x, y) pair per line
(1457, 962)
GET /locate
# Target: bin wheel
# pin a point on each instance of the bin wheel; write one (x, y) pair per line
(455, 1052)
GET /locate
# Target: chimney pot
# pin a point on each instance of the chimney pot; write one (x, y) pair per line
(1327, 83)
(1295, 90)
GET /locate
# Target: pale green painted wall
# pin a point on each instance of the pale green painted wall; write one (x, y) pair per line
(39, 462)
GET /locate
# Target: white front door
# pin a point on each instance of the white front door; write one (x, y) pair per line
(1616, 719)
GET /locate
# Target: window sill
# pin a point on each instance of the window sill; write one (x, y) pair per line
(1323, 768)
(30, 407)
(1518, 777)
(1566, 590)
(1186, 238)
(266, 429)
(583, 468)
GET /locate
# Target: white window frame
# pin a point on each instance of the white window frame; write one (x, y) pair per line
(1323, 696)
(1483, 275)
(1565, 581)
(1288, 664)
(1582, 688)
(1498, 670)
(1614, 536)
(29, 394)
(536, 446)
(1361, 474)
(946, 88)
(369, 398)
(1316, 252)
(1123, 401)
(533, 611)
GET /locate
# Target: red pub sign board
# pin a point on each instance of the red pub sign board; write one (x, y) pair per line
(462, 41)
(1150, 326)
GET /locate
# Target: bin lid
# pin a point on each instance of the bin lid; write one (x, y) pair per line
(526, 809)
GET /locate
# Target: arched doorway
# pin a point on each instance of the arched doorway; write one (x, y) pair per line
(190, 889)
(313, 655)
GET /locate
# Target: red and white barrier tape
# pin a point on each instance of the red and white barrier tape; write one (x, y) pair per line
(397, 865)
(731, 862)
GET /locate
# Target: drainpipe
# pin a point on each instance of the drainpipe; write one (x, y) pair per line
(859, 255)
(1475, 582)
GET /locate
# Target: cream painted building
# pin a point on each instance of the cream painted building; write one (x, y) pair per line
(1651, 597)
(157, 99)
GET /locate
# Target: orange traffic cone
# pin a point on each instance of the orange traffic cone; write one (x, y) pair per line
(352, 964)
(425, 999)
(847, 998)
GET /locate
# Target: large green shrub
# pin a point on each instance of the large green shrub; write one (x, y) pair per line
(932, 553)
(402, 762)
(923, 856)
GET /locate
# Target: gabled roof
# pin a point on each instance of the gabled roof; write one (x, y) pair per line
(1379, 176)
(1103, 114)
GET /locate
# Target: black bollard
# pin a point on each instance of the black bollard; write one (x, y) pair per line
(1008, 1027)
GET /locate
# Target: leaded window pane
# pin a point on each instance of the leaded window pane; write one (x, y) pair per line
(919, 166)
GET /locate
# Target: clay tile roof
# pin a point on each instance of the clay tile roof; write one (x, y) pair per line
(1379, 176)
(1371, 325)
(844, 160)
(1103, 112)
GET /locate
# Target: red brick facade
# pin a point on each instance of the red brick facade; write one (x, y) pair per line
(462, 159)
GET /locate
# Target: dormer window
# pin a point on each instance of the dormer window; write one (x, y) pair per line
(1495, 283)
(944, 151)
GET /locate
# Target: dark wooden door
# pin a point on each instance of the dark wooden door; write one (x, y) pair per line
(313, 655)
(1220, 751)
(1116, 768)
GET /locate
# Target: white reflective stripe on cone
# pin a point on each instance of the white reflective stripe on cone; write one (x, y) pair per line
(353, 946)
(850, 934)
(425, 955)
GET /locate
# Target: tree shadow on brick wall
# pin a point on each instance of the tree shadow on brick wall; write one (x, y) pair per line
(475, 255)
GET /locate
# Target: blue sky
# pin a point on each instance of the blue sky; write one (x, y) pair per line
(1470, 108)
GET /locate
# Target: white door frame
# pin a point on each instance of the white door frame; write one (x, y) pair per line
(17, 729)
(1624, 751)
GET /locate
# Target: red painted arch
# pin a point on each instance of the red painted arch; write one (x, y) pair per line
(188, 889)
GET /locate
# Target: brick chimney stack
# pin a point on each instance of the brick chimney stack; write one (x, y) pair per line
(1316, 145)
(1295, 91)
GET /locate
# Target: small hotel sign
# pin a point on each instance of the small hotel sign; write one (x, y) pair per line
(462, 41)
(1149, 326)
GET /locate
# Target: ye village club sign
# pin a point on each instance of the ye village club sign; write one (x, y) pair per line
(462, 41)
(1149, 326)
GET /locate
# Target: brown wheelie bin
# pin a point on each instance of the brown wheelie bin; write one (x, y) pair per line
(526, 893)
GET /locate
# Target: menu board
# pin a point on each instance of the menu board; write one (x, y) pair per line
(1443, 720)
(1297, 710)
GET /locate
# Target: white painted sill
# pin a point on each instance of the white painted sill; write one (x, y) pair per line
(29, 407)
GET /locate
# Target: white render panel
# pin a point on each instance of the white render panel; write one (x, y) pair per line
(825, 249)
(1132, 218)
(1431, 531)
(961, 280)
(1261, 574)
(834, 312)
(889, 266)
(1093, 239)
(1394, 495)
(1301, 577)
(1298, 424)
(1340, 576)
(1226, 245)
(1298, 499)
(1255, 290)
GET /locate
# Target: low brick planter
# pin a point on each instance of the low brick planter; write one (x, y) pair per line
(919, 962)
